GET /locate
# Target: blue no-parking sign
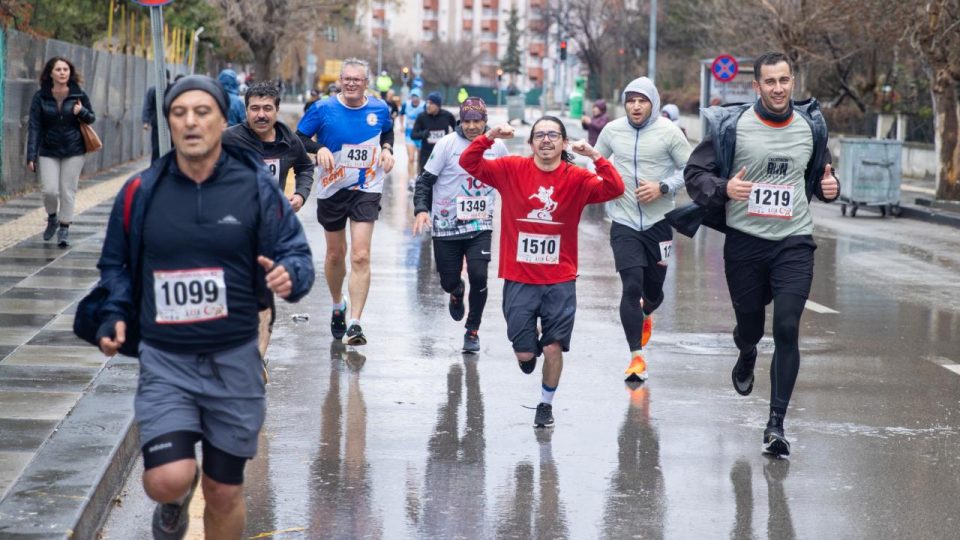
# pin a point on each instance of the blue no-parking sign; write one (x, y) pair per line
(724, 68)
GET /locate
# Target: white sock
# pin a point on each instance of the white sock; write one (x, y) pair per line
(354, 322)
(341, 306)
(546, 394)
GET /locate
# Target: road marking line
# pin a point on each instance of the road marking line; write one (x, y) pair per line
(952, 367)
(819, 308)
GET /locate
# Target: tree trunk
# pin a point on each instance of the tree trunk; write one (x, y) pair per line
(263, 62)
(947, 107)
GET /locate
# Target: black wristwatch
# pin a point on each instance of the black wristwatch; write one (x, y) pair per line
(664, 188)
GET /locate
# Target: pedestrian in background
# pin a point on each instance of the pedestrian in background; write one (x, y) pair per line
(237, 113)
(148, 116)
(594, 124)
(55, 144)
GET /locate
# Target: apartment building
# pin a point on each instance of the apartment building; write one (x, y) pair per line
(484, 22)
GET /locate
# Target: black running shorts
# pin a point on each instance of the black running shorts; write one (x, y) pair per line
(556, 307)
(356, 205)
(758, 270)
(632, 248)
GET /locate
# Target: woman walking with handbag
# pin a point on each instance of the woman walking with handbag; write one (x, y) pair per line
(55, 146)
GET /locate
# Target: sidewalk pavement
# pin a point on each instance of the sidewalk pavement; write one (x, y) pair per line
(65, 409)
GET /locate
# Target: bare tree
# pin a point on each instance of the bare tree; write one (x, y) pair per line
(935, 33)
(263, 24)
(447, 62)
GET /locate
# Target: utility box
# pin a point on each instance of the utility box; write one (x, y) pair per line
(870, 175)
(515, 106)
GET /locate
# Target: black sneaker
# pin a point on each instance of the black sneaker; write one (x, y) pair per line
(471, 342)
(742, 374)
(170, 521)
(338, 323)
(528, 366)
(544, 417)
(355, 335)
(457, 309)
(774, 441)
(52, 225)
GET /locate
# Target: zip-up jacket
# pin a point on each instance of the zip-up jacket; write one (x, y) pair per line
(432, 124)
(288, 148)
(55, 132)
(710, 165)
(280, 238)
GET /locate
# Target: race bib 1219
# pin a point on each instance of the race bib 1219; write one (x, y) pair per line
(771, 200)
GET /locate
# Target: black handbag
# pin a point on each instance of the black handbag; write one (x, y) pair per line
(87, 322)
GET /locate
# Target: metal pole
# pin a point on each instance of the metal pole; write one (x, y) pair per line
(156, 27)
(380, 52)
(194, 49)
(652, 58)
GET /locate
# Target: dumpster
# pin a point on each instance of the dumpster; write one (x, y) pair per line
(870, 175)
(576, 97)
(515, 107)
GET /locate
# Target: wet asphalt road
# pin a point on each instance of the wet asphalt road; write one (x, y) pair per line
(408, 438)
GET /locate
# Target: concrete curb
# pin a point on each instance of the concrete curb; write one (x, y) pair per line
(67, 488)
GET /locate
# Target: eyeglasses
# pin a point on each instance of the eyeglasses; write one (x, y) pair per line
(550, 135)
(782, 81)
(351, 80)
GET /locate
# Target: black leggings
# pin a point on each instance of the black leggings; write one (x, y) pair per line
(787, 309)
(637, 285)
(477, 275)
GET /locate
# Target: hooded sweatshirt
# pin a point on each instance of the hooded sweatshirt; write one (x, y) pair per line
(237, 113)
(654, 151)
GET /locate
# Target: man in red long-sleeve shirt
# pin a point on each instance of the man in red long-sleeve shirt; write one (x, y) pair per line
(543, 197)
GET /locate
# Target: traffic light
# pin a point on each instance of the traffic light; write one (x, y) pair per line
(499, 75)
(563, 49)
(405, 73)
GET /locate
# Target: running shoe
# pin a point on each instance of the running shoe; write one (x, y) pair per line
(53, 223)
(637, 371)
(528, 366)
(775, 442)
(63, 236)
(647, 330)
(338, 323)
(471, 342)
(544, 417)
(170, 521)
(457, 309)
(742, 374)
(355, 335)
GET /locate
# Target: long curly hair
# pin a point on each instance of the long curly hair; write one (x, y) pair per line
(46, 78)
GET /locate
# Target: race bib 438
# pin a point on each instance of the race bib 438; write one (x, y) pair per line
(358, 156)
(190, 296)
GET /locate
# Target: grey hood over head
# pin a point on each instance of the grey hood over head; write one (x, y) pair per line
(644, 86)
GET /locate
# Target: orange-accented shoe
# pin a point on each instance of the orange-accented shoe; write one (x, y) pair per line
(637, 372)
(647, 330)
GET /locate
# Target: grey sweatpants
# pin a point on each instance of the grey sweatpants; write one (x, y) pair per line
(58, 181)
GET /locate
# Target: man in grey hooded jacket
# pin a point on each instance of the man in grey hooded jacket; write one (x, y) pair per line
(649, 152)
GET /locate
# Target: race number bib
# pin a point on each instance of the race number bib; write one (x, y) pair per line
(538, 248)
(471, 208)
(771, 200)
(666, 252)
(358, 156)
(190, 296)
(273, 165)
(435, 135)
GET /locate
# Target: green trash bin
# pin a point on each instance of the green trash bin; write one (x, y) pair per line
(576, 97)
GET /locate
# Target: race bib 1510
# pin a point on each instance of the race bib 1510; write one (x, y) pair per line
(538, 248)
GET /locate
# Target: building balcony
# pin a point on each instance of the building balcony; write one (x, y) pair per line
(490, 4)
(535, 73)
(431, 5)
(431, 26)
(537, 49)
(468, 25)
(538, 5)
(429, 15)
(489, 25)
(536, 26)
(467, 4)
(378, 14)
(488, 36)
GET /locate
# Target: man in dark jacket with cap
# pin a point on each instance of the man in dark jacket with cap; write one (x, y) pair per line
(192, 244)
(432, 126)
(280, 149)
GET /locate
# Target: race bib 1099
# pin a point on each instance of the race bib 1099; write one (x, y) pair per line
(190, 296)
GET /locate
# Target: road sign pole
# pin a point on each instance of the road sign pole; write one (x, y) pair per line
(160, 67)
